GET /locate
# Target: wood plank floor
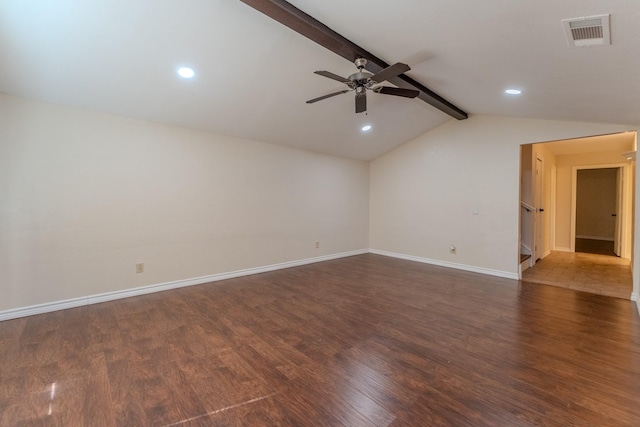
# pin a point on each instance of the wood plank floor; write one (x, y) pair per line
(360, 341)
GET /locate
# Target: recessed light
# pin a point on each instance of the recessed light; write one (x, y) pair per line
(366, 128)
(186, 72)
(513, 91)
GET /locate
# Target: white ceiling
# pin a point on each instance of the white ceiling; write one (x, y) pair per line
(254, 75)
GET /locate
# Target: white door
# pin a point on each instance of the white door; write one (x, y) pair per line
(538, 244)
(617, 237)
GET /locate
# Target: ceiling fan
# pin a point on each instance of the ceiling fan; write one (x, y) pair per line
(362, 81)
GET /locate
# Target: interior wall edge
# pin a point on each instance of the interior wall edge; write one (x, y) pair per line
(19, 312)
(456, 266)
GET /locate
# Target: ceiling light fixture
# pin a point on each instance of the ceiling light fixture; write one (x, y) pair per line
(186, 72)
(366, 128)
(513, 91)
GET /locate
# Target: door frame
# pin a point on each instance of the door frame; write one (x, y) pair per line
(552, 210)
(625, 203)
(538, 200)
(620, 214)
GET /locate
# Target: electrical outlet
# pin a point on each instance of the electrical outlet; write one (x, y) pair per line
(139, 267)
(452, 250)
(317, 245)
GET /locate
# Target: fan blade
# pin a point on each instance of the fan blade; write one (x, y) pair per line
(391, 71)
(332, 76)
(320, 98)
(397, 91)
(361, 102)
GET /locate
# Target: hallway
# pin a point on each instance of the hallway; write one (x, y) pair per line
(597, 274)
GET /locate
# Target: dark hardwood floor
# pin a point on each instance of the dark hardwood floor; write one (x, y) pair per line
(359, 341)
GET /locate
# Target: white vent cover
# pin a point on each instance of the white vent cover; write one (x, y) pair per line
(587, 31)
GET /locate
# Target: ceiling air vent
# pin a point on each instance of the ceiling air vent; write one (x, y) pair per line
(587, 31)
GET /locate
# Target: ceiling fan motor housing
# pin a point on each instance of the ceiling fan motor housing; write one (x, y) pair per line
(361, 78)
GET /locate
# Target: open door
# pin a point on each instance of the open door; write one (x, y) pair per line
(617, 237)
(538, 244)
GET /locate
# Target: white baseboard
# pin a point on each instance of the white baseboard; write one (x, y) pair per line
(110, 296)
(562, 249)
(447, 264)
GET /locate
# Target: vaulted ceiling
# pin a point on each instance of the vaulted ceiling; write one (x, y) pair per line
(253, 75)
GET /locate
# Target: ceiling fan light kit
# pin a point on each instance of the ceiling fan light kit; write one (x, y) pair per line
(362, 80)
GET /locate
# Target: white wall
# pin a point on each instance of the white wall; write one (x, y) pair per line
(84, 196)
(526, 218)
(526, 174)
(423, 193)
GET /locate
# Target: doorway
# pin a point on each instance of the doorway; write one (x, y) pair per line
(548, 209)
(601, 206)
(598, 211)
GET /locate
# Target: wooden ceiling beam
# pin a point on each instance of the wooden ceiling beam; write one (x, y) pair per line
(309, 27)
